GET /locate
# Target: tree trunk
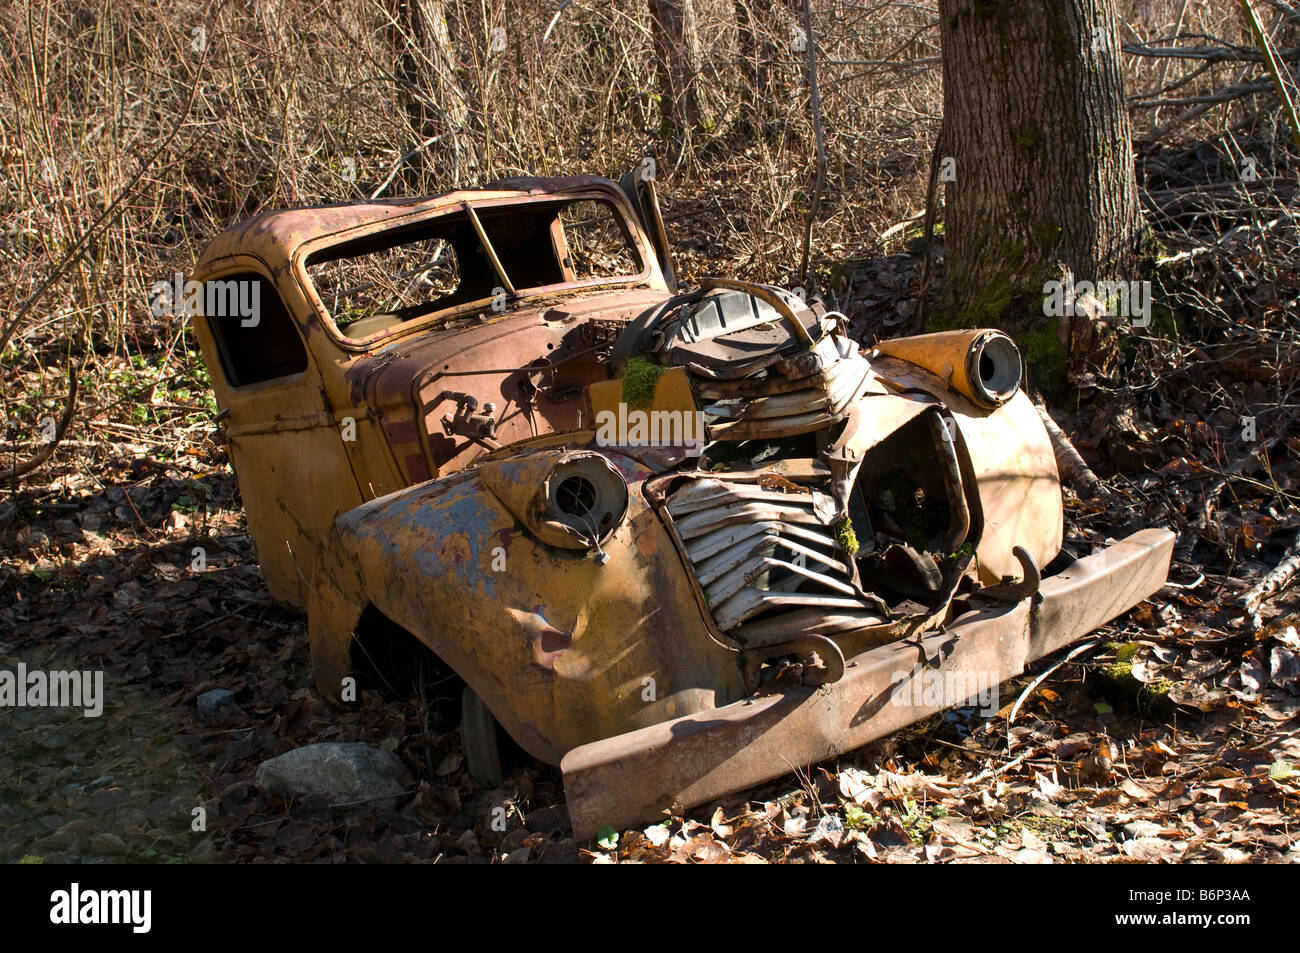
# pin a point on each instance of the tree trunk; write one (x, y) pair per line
(766, 33)
(677, 57)
(1037, 163)
(430, 94)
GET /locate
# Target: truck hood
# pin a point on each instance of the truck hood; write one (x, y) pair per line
(531, 364)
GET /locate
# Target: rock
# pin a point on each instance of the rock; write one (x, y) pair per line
(468, 842)
(559, 852)
(106, 843)
(349, 771)
(546, 820)
(217, 703)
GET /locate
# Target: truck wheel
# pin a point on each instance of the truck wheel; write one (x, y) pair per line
(478, 740)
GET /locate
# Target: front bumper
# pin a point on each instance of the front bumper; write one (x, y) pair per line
(679, 764)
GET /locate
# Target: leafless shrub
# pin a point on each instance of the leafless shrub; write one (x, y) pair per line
(298, 103)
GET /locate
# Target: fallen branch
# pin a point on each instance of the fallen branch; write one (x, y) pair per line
(1275, 581)
(1222, 96)
(1078, 650)
(1072, 466)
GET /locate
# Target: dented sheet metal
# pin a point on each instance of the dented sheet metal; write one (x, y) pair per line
(693, 760)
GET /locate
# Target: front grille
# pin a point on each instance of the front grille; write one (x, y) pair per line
(761, 554)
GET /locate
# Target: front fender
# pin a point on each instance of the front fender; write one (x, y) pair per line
(562, 650)
(1012, 468)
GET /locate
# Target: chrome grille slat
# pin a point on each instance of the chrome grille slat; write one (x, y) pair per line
(749, 602)
(704, 494)
(739, 577)
(702, 522)
(711, 568)
(719, 540)
(751, 547)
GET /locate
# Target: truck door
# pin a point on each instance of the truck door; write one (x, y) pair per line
(285, 444)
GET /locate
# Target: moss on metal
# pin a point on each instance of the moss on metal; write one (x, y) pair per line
(640, 377)
(844, 535)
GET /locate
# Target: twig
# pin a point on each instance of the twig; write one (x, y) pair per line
(1164, 67)
(397, 166)
(1077, 650)
(1274, 581)
(1252, 18)
(551, 26)
(989, 772)
(22, 469)
(931, 190)
(74, 256)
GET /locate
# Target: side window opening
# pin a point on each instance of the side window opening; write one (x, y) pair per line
(256, 338)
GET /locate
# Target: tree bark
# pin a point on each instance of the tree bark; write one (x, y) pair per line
(677, 58)
(1037, 167)
(430, 93)
(766, 44)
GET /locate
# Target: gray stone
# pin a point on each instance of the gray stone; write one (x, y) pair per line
(216, 704)
(349, 771)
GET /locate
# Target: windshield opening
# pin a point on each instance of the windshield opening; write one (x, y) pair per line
(439, 266)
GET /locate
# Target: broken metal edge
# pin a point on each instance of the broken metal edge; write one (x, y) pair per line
(679, 764)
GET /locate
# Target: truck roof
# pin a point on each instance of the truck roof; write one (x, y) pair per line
(275, 235)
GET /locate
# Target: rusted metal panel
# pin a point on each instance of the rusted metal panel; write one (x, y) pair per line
(624, 620)
(1013, 468)
(696, 759)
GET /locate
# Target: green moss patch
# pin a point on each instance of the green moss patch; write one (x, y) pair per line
(640, 378)
(845, 536)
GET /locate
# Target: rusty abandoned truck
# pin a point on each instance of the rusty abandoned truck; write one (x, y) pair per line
(674, 540)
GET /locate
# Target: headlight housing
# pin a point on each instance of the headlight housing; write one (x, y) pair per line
(571, 499)
(586, 496)
(982, 364)
(993, 368)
